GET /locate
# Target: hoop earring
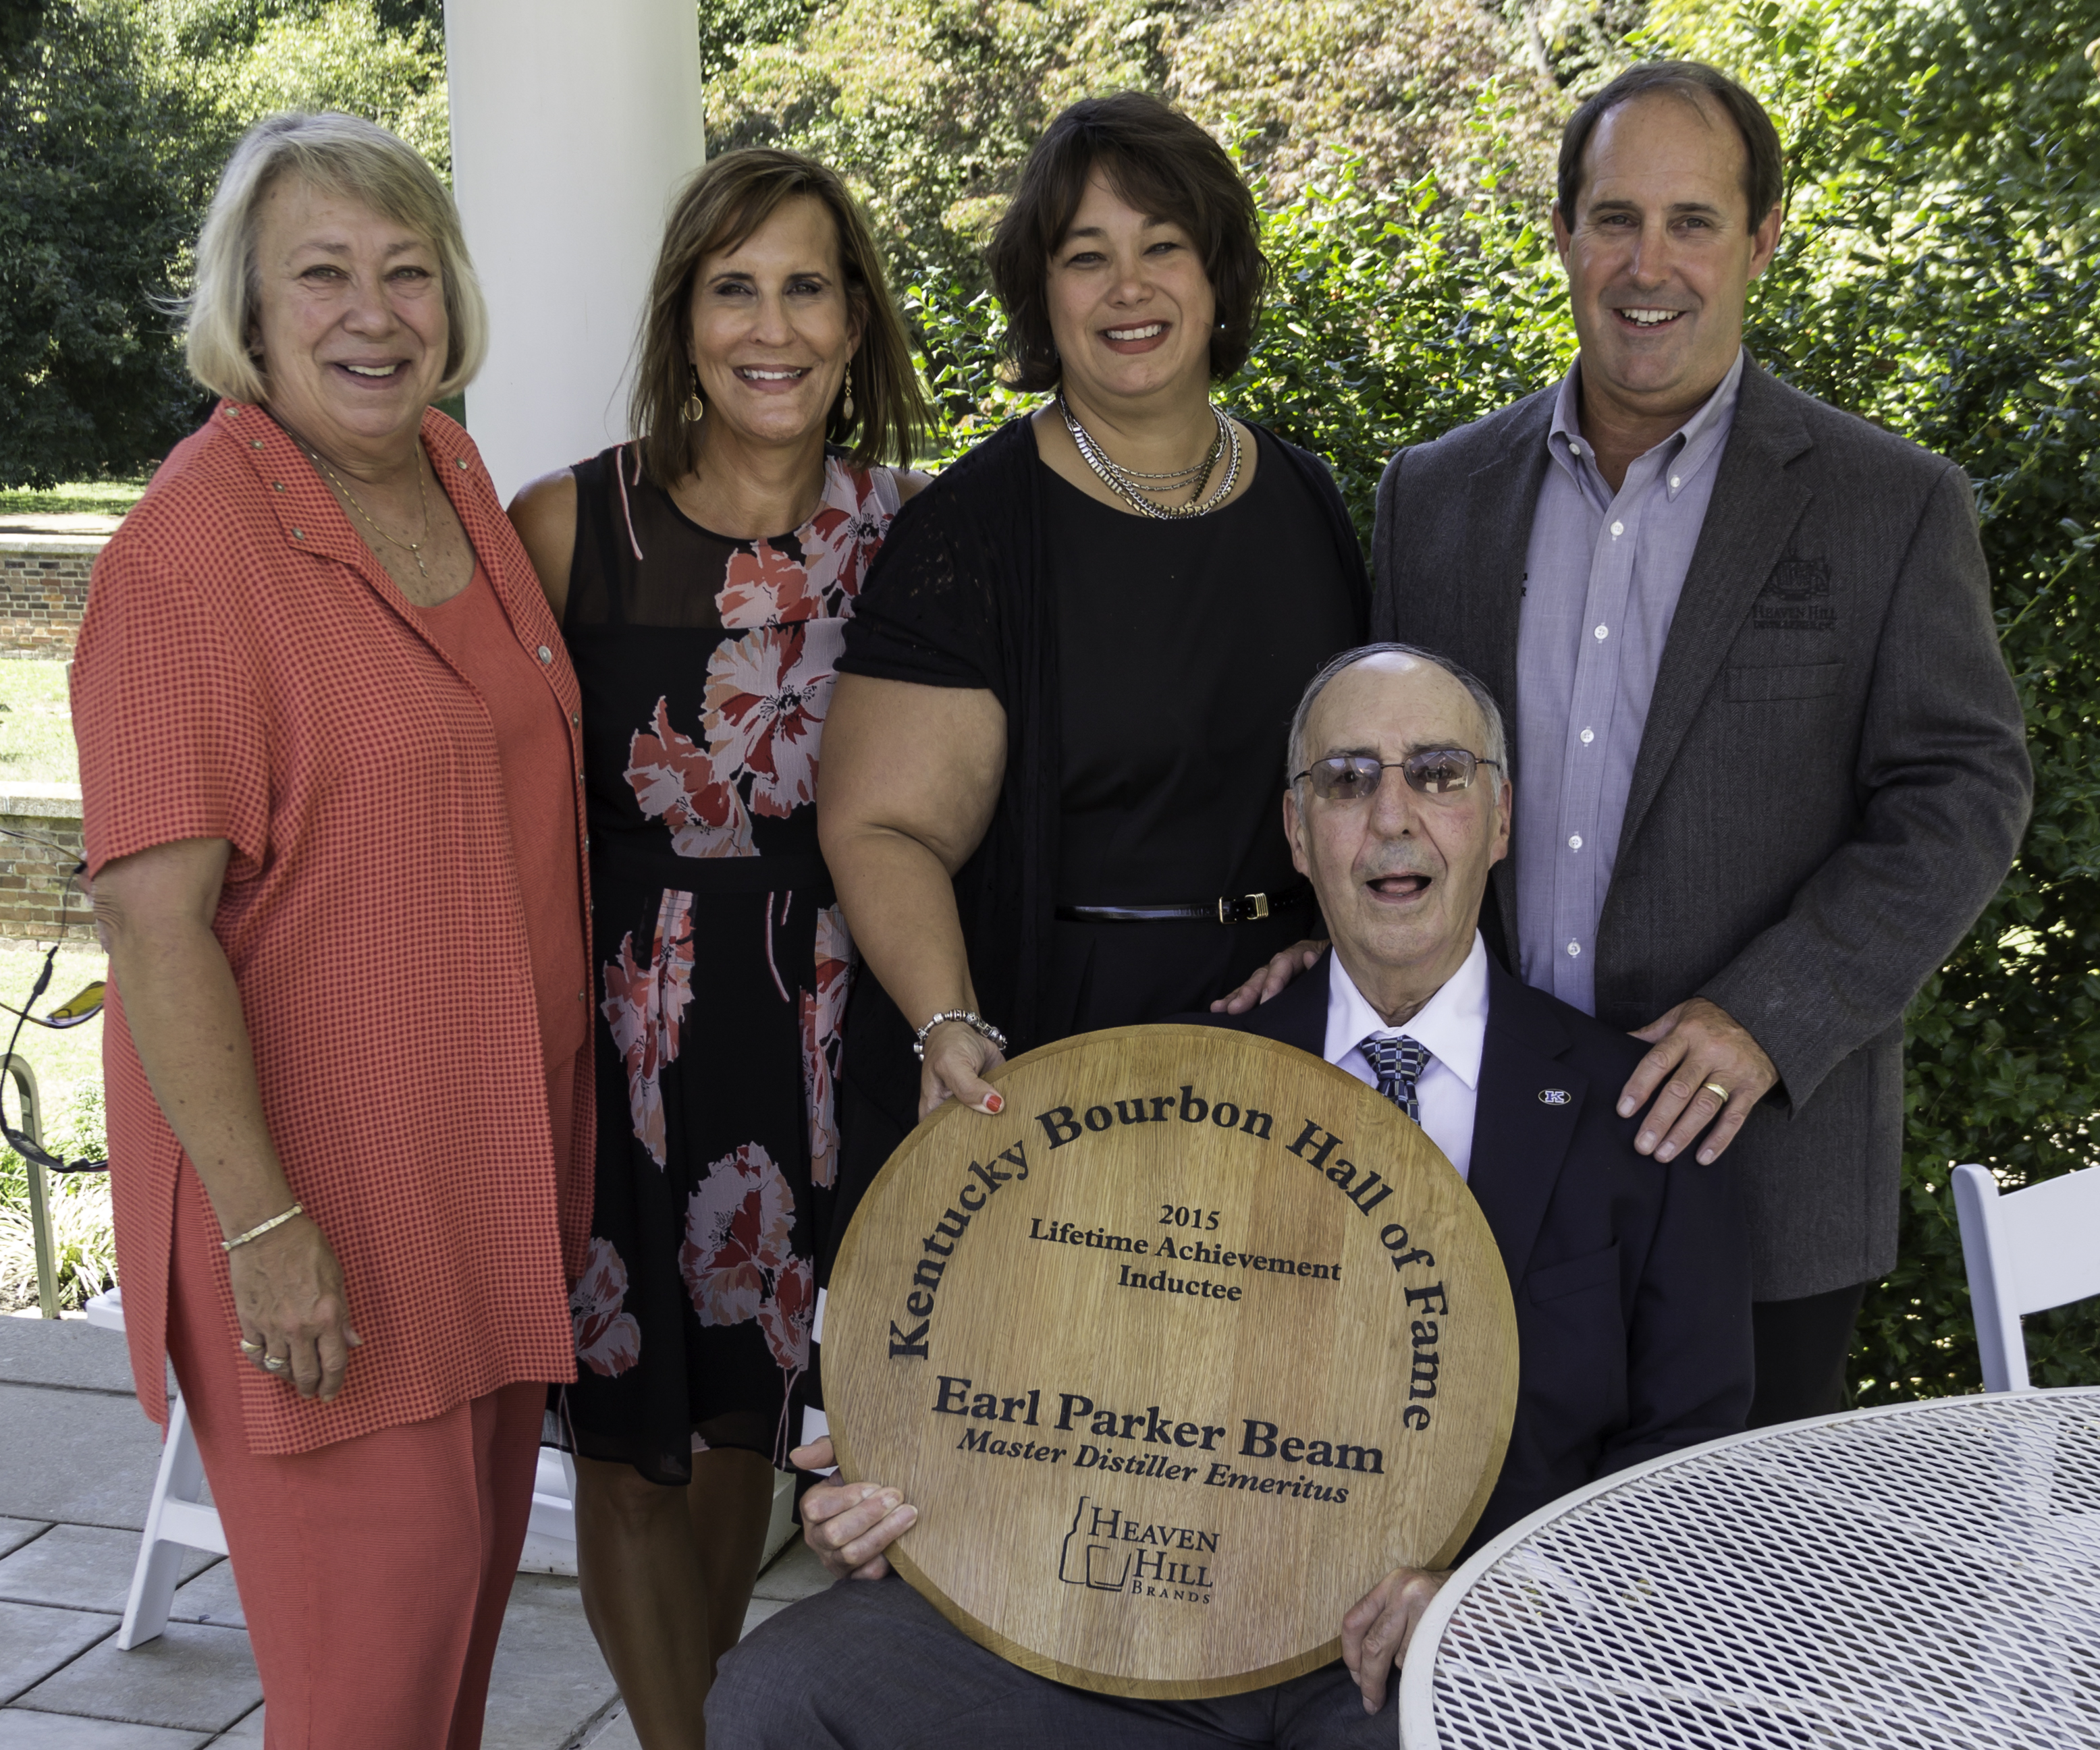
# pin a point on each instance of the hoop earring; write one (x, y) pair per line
(695, 409)
(846, 407)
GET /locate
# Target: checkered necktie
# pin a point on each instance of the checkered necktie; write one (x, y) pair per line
(1399, 1063)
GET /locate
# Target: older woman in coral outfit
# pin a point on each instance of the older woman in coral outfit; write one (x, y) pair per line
(329, 754)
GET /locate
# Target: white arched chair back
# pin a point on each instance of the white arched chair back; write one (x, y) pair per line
(2025, 1251)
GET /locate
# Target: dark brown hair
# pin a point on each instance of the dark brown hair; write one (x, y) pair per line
(725, 202)
(1764, 164)
(1166, 167)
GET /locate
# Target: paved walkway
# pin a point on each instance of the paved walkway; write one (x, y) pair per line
(76, 1465)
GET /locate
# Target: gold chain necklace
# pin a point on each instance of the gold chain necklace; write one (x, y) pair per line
(414, 547)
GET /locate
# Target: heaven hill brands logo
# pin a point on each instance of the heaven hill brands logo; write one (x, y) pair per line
(1109, 1550)
(1796, 598)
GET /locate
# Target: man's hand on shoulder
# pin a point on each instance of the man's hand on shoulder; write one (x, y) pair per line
(1271, 979)
(1699, 1047)
(1379, 1625)
(849, 1524)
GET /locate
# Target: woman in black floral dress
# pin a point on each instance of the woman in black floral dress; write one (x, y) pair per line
(705, 643)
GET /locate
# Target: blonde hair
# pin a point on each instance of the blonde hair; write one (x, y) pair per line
(724, 203)
(339, 155)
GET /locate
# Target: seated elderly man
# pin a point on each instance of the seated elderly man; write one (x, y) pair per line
(1630, 1275)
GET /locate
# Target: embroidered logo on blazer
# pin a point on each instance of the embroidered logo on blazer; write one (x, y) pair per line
(1795, 597)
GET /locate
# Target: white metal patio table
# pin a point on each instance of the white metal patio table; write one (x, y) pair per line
(1924, 1576)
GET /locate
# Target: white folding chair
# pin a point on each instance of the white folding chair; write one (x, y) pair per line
(550, 1535)
(2025, 1251)
(177, 1518)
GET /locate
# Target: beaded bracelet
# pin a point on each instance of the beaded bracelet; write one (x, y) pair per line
(262, 1227)
(969, 1018)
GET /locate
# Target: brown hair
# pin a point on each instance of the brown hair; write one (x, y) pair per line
(727, 200)
(1764, 163)
(1166, 167)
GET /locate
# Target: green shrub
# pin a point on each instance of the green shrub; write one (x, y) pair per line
(83, 1232)
(926, 107)
(1961, 325)
(1403, 83)
(1940, 277)
(1396, 316)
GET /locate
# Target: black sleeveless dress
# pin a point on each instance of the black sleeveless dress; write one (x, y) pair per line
(723, 962)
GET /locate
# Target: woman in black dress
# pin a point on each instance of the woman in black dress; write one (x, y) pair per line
(705, 643)
(1051, 784)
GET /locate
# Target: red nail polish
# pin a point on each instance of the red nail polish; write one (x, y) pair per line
(994, 1103)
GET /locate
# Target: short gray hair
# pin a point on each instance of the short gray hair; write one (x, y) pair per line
(340, 155)
(1498, 747)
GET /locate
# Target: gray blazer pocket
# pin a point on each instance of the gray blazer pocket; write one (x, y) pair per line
(1759, 685)
(1558, 1281)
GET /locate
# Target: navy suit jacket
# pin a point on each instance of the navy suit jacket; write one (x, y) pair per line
(1631, 1278)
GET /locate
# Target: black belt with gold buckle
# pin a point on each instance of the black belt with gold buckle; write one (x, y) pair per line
(1248, 908)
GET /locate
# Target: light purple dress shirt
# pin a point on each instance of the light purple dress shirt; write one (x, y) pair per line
(1602, 578)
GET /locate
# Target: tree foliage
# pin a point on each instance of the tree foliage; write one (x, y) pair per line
(1405, 89)
(92, 226)
(928, 107)
(1967, 95)
(119, 115)
(338, 56)
(20, 22)
(243, 59)
(729, 28)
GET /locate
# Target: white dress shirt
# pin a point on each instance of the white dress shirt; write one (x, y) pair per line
(1452, 1026)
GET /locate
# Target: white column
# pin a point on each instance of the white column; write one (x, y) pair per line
(573, 121)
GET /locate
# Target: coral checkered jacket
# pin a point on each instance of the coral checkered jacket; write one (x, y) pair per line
(246, 671)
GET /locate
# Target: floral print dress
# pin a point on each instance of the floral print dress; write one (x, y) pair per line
(723, 963)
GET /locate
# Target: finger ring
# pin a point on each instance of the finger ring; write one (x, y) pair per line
(250, 1348)
(276, 1363)
(1717, 1090)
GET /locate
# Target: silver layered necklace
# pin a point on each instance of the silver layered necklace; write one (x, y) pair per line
(1141, 491)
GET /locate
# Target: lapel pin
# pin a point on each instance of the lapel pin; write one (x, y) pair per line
(1554, 1096)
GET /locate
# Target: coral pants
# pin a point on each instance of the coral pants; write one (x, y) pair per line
(374, 1572)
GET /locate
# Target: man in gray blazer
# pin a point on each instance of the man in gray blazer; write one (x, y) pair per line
(1769, 764)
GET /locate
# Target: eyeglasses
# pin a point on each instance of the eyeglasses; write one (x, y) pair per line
(1355, 777)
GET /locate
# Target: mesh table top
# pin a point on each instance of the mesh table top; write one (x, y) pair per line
(1922, 1577)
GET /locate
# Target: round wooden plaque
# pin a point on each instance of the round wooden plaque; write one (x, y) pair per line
(1177, 1357)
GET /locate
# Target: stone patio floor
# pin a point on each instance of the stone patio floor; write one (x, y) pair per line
(76, 1465)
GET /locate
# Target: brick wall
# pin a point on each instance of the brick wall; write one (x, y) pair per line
(32, 875)
(43, 592)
